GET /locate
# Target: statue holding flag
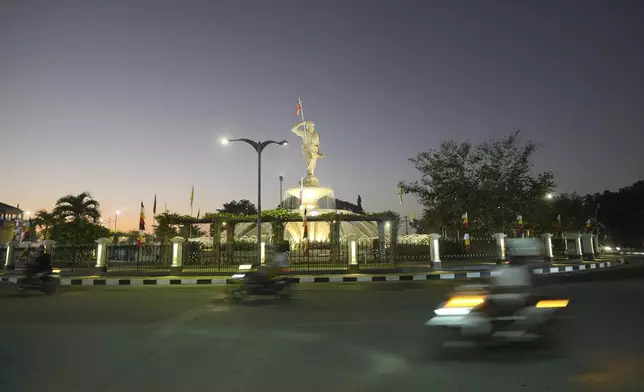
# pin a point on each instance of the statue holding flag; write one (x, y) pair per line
(310, 145)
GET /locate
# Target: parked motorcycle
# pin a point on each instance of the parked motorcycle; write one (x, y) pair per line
(251, 281)
(476, 316)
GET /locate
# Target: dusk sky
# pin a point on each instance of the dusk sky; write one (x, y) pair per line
(129, 98)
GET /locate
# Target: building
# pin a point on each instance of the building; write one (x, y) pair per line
(8, 212)
(8, 216)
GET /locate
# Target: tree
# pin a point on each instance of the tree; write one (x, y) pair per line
(77, 220)
(492, 181)
(78, 207)
(190, 231)
(574, 211)
(242, 207)
(78, 232)
(622, 212)
(163, 230)
(46, 221)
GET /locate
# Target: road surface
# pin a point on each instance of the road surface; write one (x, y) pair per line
(349, 337)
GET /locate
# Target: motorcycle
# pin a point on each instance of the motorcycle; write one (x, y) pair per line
(45, 282)
(476, 316)
(248, 284)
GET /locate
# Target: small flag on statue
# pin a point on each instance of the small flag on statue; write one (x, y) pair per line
(139, 239)
(466, 238)
(520, 221)
(298, 107)
(588, 226)
(466, 221)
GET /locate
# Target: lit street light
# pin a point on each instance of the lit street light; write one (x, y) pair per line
(116, 220)
(549, 196)
(259, 147)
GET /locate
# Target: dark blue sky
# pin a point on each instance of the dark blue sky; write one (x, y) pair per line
(129, 98)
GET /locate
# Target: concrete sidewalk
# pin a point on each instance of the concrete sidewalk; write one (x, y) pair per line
(96, 280)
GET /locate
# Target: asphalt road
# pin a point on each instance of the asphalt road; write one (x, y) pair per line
(349, 337)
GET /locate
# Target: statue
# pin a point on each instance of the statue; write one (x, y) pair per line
(310, 149)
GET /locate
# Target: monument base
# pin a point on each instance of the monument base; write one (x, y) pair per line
(311, 181)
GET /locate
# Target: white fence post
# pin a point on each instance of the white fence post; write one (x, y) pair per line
(177, 254)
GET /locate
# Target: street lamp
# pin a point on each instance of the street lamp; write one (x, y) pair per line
(281, 194)
(259, 147)
(549, 196)
(116, 220)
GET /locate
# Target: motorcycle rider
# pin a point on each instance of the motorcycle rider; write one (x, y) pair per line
(511, 289)
(266, 273)
(41, 264)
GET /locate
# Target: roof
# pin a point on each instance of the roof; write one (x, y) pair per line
(7, 209)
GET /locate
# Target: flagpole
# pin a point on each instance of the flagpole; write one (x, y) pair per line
(192, 199)
(299, 101)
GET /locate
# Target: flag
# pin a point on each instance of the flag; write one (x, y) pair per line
(139, 239)
(192, 197)
(154, 206)
(400, 195)
(588, 226)
(520, 221)
(305, 235)
(466, 238)
(466, 221)
(298, 107)
(198, 213)
(301, 190)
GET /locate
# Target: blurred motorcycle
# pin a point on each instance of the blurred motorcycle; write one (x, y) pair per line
(46, 282)
(479, 316)
(259, 280)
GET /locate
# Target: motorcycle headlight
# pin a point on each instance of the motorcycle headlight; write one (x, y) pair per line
(460, 305)
(452, 311)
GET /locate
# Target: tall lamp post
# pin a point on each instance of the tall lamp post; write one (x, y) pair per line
(116, 220)
(259, 147)
(281, 194)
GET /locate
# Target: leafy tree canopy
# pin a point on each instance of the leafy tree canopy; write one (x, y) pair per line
(492, 181)
(241, 207)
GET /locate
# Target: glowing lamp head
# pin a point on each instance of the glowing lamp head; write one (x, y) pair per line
(225, 140)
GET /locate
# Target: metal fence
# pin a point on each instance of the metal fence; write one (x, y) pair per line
(73, 256)
(558, 247)
(479, 249)
(364, 255)
(147, 258)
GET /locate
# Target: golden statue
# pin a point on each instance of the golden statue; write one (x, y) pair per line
(310, 149)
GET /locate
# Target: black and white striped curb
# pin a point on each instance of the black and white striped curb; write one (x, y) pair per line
(316, 279)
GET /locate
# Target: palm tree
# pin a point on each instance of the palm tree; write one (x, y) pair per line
(45, 220)
(73, 208)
